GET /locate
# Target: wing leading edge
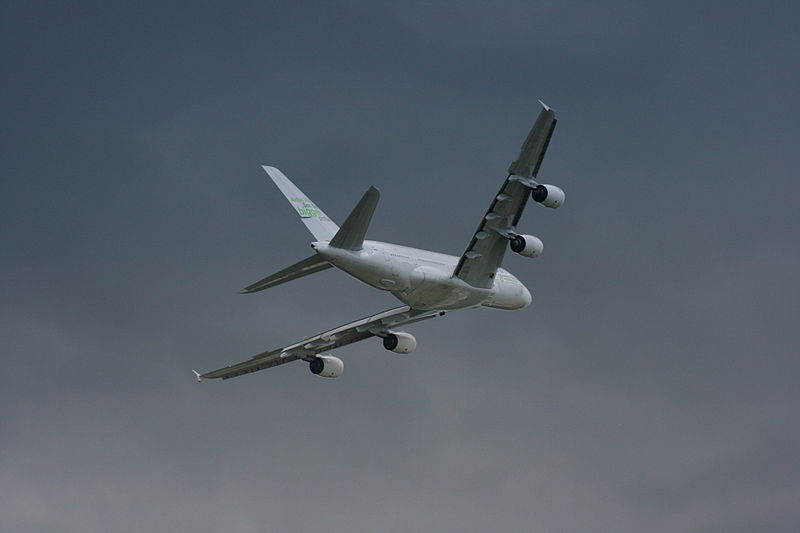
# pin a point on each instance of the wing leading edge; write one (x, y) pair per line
(307, 349)
(484, 254)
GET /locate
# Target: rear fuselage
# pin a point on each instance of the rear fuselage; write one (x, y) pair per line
(423, 279)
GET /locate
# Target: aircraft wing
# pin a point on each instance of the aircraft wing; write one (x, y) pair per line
(480, 261)
(308, 348)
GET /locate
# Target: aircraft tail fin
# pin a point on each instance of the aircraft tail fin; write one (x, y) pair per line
(302, 268)
(317, 222)
(351, 235)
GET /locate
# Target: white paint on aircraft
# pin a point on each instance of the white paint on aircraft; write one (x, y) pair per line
(429, 284)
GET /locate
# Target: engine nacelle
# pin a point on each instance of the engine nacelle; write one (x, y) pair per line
(327, 366)
(400, 342)
(548, 195)
(527, 245)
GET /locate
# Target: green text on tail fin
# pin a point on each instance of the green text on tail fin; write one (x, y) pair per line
(317, 222)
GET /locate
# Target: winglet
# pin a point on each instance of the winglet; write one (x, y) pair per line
(544, 106)
(196, 373)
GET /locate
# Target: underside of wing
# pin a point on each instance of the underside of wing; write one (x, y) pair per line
(484, 254)
(308, 349)
(256, 363)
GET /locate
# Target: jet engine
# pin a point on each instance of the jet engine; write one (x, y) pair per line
(548, 195)
(527, 245)
(400, 342)
(327, 366)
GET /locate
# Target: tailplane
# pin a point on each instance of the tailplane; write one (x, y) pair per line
(349, 237)
(317, 222)
(302, 268)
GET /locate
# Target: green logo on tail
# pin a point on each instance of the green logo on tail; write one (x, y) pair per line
(306, 207)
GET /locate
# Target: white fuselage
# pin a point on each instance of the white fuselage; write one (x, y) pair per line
(423, 279)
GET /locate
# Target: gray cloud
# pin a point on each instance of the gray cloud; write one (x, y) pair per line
(650, 387)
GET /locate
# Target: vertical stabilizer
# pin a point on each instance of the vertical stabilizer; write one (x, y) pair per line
(317, 222)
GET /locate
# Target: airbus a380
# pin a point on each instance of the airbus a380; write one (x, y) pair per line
(428, 283)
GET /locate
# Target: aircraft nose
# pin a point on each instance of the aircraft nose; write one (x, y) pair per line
(526, 297)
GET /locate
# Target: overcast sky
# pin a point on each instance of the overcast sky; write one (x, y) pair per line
(652, 385)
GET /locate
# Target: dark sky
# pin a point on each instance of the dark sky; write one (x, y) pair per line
(651, 386)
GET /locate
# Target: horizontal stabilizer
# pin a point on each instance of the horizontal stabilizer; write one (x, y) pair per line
(305, 267)
(351, 235)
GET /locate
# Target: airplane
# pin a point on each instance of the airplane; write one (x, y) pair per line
(429, 284)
